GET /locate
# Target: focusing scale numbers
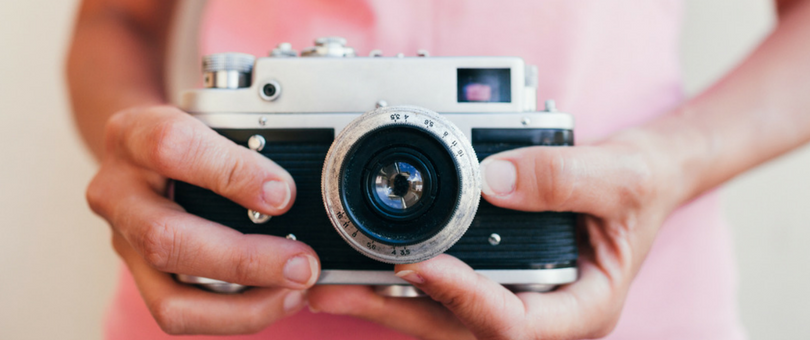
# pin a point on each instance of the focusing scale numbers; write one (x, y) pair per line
(370, 244)
(395, 117)
(346, 224)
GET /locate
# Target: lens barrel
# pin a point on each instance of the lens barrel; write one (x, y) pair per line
(374, 216)
(401, 184)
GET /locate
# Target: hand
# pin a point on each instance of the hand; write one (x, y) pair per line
(147, 146)
(624, 192)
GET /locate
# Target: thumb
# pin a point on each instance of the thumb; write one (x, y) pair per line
(483, 305)
(593, 179)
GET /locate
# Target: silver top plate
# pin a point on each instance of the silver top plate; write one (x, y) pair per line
(464, 121)
(312, 85)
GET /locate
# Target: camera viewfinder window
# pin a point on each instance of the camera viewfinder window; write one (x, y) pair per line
(484, 85)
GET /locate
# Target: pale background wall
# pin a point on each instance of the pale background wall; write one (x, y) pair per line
(57, 270)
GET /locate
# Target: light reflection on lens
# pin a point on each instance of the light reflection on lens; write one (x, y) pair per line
(398, 185)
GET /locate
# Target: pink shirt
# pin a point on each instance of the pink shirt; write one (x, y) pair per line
(611, 64)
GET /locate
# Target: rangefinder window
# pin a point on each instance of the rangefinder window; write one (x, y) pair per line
(484, 85)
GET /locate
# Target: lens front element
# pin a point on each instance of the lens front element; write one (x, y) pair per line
(398, 185)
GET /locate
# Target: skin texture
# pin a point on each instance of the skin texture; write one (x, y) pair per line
(625, 186)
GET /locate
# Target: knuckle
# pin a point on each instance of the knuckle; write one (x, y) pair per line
(158, 245)
(171, 142)
(246, 265)
(115, 127)
(638, 183)
(169, 316)
(603, 317)
(255, 319)
(555, 176)
(450, 298)
(96, 195)
(451, 301)
(605, 327)
(228, 179)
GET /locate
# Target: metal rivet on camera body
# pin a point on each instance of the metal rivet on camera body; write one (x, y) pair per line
(329, 47)
(423, 53)
(494, 239)
(291, 237)
(283, 50)
(525, 121)
(322, 41)
(257, 217)
(262, 121)
(270, 90)
(256, 142)
(381, 103)
(375, 53)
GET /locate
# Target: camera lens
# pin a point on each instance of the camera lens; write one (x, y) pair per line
(400, 182)
(398, 185)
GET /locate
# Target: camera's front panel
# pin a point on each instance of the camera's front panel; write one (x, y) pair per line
(301, 152)
(497, 238)
(508, 239)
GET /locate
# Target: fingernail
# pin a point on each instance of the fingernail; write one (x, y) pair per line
(301, 269)
(313, 310)
(277, 193)
(410, 276)
(498, 177)
(293, 300)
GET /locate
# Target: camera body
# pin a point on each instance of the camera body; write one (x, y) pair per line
(399, 183)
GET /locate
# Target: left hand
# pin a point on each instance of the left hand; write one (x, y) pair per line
(624, 191)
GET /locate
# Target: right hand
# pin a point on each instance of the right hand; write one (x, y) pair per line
(145, 147)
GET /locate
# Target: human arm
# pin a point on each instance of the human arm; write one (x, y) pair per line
(628, 184)
(116, 75)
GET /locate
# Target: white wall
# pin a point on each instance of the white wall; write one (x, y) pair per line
(57, 270)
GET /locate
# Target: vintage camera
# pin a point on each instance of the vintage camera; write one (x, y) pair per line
(399, 183)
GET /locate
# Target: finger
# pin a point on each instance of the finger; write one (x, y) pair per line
(182, 309)
(484, 306)
(603, 181)
(419, 317)
(180, 147)
(588, 308)
(171, 240)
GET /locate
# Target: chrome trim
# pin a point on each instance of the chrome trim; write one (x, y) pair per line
(555, 276)
(355, 84)
(399, 291)
(339, 120)
(216, 286)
